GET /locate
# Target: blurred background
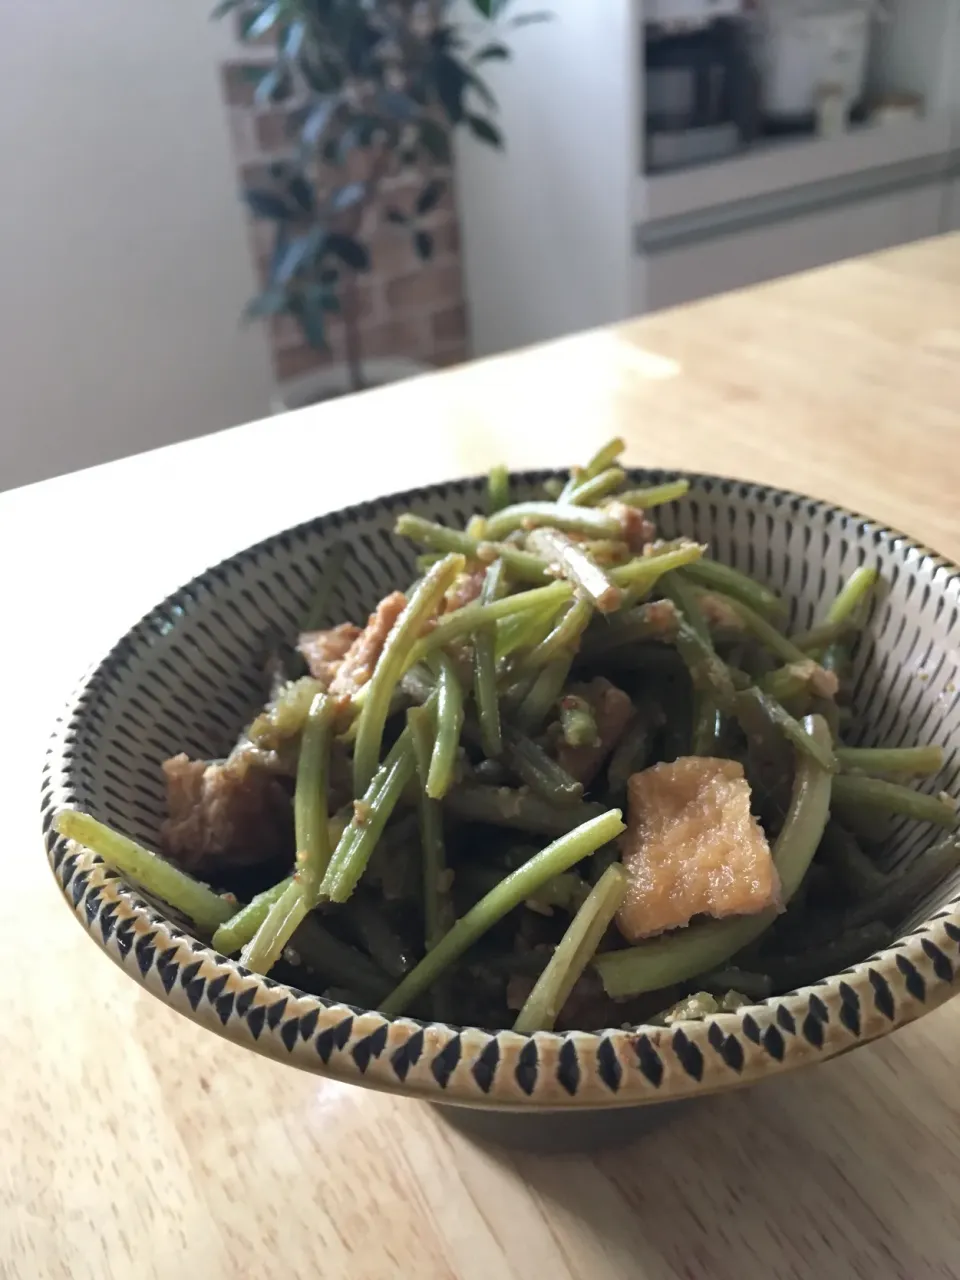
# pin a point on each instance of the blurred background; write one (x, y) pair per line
(391, 186)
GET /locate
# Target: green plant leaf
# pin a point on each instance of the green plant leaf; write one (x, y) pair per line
(451, 81)
(301, 190)
(435, 140)
(272, 302)
(293, 40)
(492, 53)
(351, 252)
(299, 253)
(310, 315)
(485, 131)
(275, 86)
(400, 106)
(484, 7)
(431, 195)
(481, 88)
(317, 120)
(345, 197)
(267, 204)
(423, 244)
(260, 20)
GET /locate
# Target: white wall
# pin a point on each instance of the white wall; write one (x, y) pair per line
(546, 226)
(123, 255)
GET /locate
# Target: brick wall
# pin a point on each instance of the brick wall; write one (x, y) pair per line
(406, 307)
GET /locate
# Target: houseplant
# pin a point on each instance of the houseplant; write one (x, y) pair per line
(371, 91)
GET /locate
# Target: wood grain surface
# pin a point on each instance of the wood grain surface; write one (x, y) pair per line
(133, 1144)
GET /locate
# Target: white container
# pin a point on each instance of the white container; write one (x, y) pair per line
(804, 46)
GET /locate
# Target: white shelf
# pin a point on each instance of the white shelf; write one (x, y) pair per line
(782, 164)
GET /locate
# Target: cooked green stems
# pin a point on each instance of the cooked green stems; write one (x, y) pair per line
(370, 815)
(485, 692)
(243, 924)
(855, 944)
(564, 636)
(443, 761)
(852, 794)
(655, 495)
(556, 515)
(755, 985)
(339, 964)
(599, 486)
(641, 574)
(766, 633)
(281, 922)
(898, 762)
(311, 820)
(285, 715)
(498, 489)
(785, 724)
(707, 721)
(394, 659)
(540, 772)
(850, 607)
(464, 621)
(656, 620)
(733, 583)
(560, 856)
(708, 674)
(192, 899)
(605, 457)
(369, 923)
(435, 896)
(435, 537)
(857, 872)
(523, 566)
(632, 752)
(573, 953)
(905, 886)
(578, 722)
(679, 956)
(578, 567)
(544, 693)
(601, 461)
(853, 595)
(311, 827)
(521, 810)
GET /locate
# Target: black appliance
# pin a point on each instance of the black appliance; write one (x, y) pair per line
(702, 93)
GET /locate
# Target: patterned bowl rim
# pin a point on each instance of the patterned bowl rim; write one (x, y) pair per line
(468, 1065)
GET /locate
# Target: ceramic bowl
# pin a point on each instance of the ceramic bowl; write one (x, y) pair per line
(185, 678)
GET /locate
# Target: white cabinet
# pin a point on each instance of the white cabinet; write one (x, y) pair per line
(564, 230)
(951, 220)
(685, 271)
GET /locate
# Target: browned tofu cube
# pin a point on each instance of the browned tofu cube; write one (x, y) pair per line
(613, 711)
(692, 847)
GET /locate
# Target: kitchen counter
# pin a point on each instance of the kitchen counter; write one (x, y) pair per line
(133, 1143)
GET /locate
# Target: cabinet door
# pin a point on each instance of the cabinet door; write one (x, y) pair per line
(951, 220)
(733, 260)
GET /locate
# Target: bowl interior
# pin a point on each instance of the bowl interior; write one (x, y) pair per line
(188, 677)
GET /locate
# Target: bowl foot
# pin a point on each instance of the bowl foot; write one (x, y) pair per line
(558, 1132)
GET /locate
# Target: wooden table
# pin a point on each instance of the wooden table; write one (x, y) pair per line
(134, 1144)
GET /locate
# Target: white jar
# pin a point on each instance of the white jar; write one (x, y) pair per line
(805, 44)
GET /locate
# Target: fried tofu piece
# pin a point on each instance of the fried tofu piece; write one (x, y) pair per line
(692, 847)
(357, 666)
(324, 651)
(613, 710)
